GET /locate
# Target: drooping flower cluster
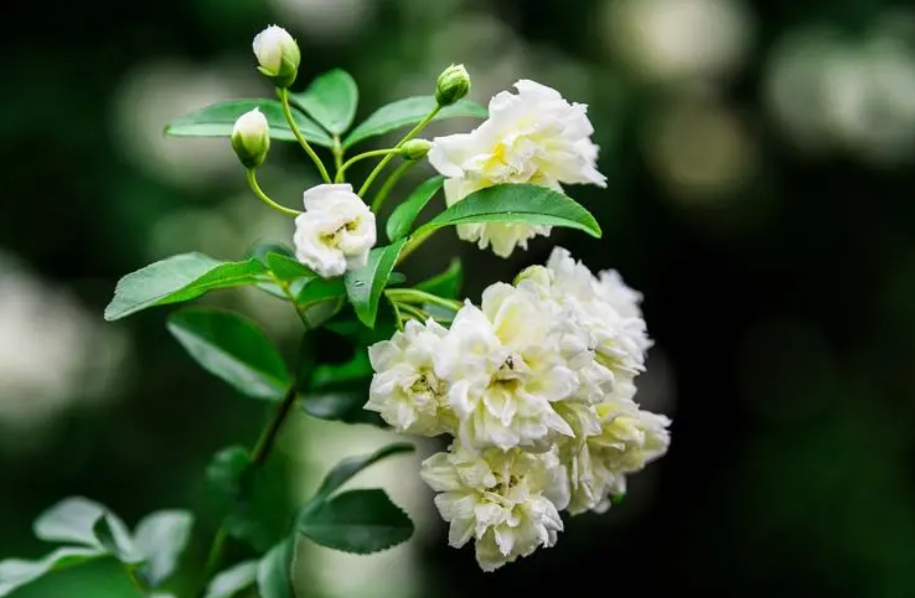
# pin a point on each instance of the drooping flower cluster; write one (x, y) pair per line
(537, 386)
(535, 137)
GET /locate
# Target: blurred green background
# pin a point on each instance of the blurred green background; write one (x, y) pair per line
(761, 158)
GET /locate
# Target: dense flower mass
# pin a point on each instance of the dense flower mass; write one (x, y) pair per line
(535, 137)
(537, 385)
(336, 231)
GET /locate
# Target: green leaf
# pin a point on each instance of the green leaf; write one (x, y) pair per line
(274, 572)
(331, 99)
(403, 217)
(358, 521)
(288, 269)
(254, 499)
(232, 348)
(113, 536)
(516, 203)
(349, 467)
(218, 120)
(409, 111)
(15, 573)
(225, 471)
(365, 285)
(233, 580)
(262, 248)
(161, 538)
(338, 392)
(71, 521)
(179, 278)
(320, 290)
(447, 284)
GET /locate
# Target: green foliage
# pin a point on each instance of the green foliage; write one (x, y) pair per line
(331, 100)
(254, 498)
(447, 284)
(406, 112)
(287, 268)
(233, 580)
(358, 521)
(516, 203)
(349, 467)
(275, 570)
(365, 285)
(403, 217)
(160, 538)
(15, 573)
(179, 278)
(232, 348)
(152, 551)
(338, 392)
(218, 120)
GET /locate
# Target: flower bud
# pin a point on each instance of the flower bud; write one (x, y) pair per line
(278, 55)
(415, 149)
(453, 84)
(251, 138)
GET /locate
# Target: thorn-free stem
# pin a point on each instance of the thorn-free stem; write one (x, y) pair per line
(287, 112)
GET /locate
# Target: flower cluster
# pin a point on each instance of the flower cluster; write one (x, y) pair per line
(537, 386)
(534, 137)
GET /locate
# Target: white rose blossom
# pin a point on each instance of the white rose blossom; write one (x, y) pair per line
(504, 371)
(627, 439)
(336, 231)
(507, 502)
(276, 50)
(534, 136)
(406, 390)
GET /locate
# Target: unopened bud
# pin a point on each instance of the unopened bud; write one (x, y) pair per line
(278, 55)
(453, 84)
(415, 149)
(251, 138)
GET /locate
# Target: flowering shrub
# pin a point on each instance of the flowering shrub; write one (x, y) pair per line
(534, 385)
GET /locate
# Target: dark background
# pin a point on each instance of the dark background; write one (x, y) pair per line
(760, 157)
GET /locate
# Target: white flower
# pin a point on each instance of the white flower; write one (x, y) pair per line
(505, 370)
(336, 231)
(277, 52)
(627, 439)
(602, 312)
(508, 502)
(405, 390)
(534, 136)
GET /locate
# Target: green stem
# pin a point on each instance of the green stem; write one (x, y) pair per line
(398, 317)
(354, 159)
(252, 182)
(134, 580)
(415, 312)
(414, 243)
(391, 181)
(259, 454)
(303, 317)
(417, 296)
(287, 112)
(337, 150)
(384, 162)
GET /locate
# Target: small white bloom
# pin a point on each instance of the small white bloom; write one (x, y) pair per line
(532, 134)
(505, 371)
(405, 390)
(535, 137)
(336, 231)
(602, 312)
(277, 52)
(251, 138)
(507, 502)
(627, 439)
